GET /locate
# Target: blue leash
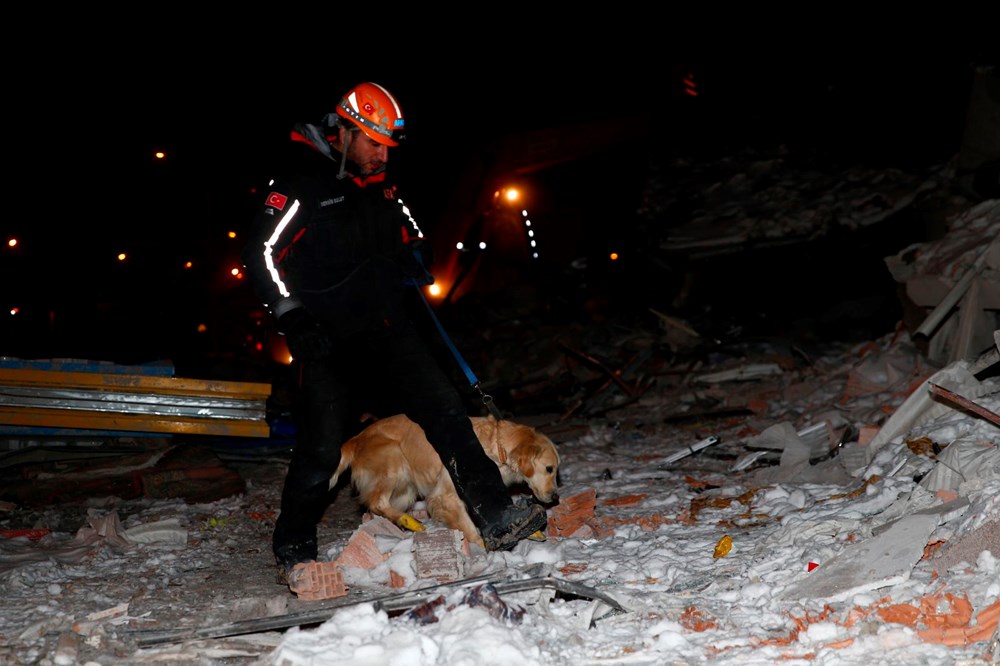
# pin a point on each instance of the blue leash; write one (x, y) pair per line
(487, 399)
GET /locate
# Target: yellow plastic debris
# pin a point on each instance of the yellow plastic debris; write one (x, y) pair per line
(723, 547)
(408, 522)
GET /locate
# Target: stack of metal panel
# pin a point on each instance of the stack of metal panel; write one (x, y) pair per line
(39, 397)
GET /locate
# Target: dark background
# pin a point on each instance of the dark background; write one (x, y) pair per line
(81, 131)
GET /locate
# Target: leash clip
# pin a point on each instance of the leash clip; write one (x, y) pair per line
(488, 401)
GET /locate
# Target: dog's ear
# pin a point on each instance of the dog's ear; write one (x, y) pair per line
(524, 456)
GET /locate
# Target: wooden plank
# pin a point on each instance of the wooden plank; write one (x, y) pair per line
(962, 401)
(133, 383)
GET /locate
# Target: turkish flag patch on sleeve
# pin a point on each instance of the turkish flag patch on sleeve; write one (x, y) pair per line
(276, 200)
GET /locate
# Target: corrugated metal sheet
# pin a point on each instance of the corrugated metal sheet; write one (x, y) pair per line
(34, 398)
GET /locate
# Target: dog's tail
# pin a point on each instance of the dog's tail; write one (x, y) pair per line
(346, 458)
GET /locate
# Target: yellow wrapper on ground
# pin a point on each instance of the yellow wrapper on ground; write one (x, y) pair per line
(723, 547)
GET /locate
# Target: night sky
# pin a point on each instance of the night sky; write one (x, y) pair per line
(81, 137)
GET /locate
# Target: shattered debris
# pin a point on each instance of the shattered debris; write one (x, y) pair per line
(838, 497)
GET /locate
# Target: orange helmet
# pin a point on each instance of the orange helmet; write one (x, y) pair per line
(373, 108)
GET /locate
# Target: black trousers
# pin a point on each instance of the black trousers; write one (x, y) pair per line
(396, 361)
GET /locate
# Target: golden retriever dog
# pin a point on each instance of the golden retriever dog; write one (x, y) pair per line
(393, 465)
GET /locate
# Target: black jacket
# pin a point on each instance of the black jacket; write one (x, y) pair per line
(338, 247)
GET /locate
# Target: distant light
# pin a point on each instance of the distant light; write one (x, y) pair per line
(459, 245)
(232, 234)
(279, 349)
(14, 310)
(236, 273)
(690, 86)
(11, 242)
(512, 194)
(482, 245)
(121, 256)
(188, 264)
(531, 232)
(160, 155)
(202, 328)
(434, 290)
(614, 256)
(259, 346)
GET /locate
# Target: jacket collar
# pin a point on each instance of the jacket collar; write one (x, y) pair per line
(313, 136)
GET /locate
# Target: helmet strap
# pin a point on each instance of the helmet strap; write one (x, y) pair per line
(343, 153)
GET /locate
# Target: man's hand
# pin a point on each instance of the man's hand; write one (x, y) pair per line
(306, 337)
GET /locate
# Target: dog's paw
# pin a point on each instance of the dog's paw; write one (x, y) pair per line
(408, 522)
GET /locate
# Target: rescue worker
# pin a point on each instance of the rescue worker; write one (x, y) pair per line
(330, 254)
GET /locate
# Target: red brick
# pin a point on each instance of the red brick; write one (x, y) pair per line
(362, 551)
(396, 580)
(572, 512)
(313, 581)
(624, 500)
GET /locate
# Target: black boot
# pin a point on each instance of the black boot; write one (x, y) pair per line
(295, 532)
(287, 555)
(501, 522)
(516, 522)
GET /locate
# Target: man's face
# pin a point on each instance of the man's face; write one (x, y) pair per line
(367, 153)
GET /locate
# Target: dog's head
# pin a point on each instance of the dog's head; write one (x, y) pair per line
(532, 458)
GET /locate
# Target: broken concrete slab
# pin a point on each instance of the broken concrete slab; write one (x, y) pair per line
(438, 554)
(878, 562)
(945, 511)
(968, 547)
